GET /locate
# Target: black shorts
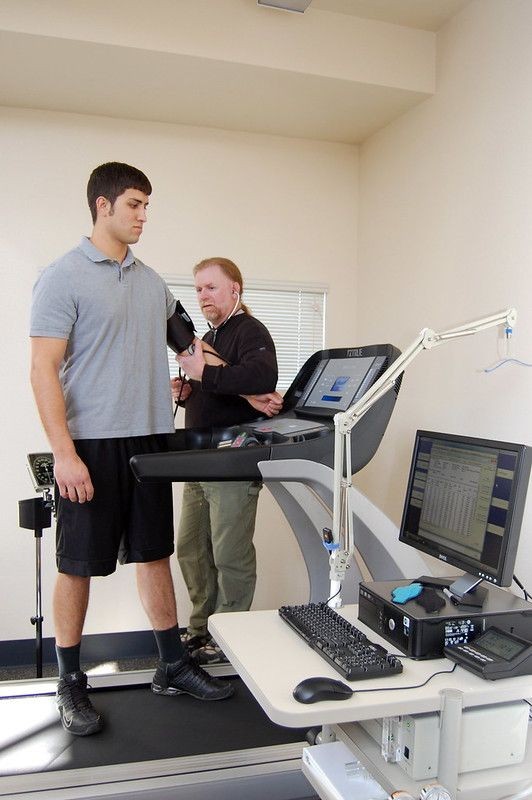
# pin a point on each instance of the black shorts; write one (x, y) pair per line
(126, 520)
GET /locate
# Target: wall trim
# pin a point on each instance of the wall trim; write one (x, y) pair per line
(95, 647)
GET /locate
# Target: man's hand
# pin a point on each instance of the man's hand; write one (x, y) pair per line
(269, 404)
(70, 472)
(181, 390)
(194, 364)
(73, 478)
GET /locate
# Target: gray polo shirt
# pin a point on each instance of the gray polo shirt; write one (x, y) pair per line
(115, 375)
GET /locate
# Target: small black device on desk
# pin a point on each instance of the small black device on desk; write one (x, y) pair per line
(493, 655)
(345, 647)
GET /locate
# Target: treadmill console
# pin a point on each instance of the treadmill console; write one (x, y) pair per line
(330, 381)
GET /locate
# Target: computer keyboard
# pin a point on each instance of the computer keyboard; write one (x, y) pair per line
(343, 645)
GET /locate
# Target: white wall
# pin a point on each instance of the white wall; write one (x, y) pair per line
(281, 208)
(446, 236)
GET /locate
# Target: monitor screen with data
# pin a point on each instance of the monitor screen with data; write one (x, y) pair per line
(464, 502)
(337, 383)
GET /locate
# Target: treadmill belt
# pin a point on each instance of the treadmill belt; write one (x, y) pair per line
(139, 726)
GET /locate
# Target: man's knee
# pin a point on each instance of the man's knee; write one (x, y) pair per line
(74, 584)
(160, 566)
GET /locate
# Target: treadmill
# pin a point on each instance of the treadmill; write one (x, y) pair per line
(177, 747)
(293, 453)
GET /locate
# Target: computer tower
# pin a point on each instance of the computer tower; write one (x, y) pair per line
(420, 634)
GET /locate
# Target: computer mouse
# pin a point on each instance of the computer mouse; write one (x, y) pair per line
(312, 690)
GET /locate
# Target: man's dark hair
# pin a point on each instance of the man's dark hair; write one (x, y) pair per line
(113, 179)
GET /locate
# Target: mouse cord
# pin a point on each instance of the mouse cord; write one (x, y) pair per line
(415, 686)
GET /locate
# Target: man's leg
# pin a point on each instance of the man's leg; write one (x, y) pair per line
(233, 508)
(156, 590)
(87, 537)
(194, 553)
(176, 673)
(71, 597)
(70, 601)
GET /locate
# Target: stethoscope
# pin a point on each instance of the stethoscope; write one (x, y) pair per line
(226, 320)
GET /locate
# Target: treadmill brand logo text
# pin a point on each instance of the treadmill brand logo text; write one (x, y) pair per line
(354, 353)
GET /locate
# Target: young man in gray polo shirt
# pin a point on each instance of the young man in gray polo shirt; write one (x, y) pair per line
(100, 376)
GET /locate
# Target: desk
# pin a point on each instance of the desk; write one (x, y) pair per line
(272, 659)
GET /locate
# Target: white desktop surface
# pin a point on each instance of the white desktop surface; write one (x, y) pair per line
(272, 659)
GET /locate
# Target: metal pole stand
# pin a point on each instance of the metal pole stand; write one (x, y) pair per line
(36, 514)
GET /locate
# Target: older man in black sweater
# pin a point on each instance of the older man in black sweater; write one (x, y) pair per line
(215, 540)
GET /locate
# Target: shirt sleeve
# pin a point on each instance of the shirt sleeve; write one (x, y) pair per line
(255, 368)
(54, 309)
(170, 301)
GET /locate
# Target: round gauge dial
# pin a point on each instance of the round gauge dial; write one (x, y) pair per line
(42, 467)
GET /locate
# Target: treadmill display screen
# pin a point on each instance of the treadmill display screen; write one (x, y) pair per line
(337, 383)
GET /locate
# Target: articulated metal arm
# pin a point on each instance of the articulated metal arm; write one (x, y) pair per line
(427, 340)
(345, 421)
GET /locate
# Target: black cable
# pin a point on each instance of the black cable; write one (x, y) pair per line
(527, 595)
(416, 686)
(180, 375)
(333, 595)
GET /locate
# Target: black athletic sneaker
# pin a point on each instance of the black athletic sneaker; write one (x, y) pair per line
(187, 677)
(75, 709)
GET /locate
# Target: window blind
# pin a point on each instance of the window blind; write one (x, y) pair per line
(293, 314)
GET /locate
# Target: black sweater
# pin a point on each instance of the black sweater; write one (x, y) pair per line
(246, 345)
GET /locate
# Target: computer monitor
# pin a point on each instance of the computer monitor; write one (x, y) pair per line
(464, 505)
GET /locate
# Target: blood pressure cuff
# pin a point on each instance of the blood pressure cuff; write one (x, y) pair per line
(180, 330)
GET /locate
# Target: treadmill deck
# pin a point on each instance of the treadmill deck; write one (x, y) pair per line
(145, 735)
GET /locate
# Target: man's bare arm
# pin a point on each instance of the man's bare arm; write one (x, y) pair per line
(71, 474)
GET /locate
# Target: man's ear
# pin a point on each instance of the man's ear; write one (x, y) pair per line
(103, 206)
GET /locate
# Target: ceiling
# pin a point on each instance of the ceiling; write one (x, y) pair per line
(92, 74)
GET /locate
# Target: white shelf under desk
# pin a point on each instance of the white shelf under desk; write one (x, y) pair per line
(272, 660)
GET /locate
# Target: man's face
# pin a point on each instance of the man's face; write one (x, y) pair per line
(217, 294)
(125, 219)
